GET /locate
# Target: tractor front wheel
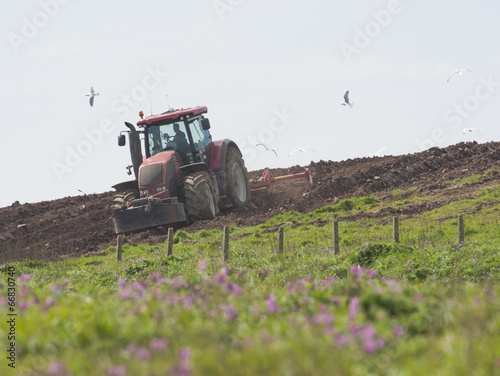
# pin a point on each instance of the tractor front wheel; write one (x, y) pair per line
(199, 195)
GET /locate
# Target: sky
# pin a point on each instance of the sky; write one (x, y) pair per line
(270, 72)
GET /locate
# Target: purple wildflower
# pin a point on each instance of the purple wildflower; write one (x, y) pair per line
(418, 298)
(157, 344)
(398, 331)
(57, 368)
(119, 370)
(183, 365)
(231, 312)
(187, 302)
(23, 291)
(353, 308)
(372, 344)
(202, 265)
(271, 305)
(143, 353)
(342, 340)
(326, 319)
(235, 289)
(24, 277)
(155, 278)
(23, 306)
(49, 302)
(355, 329)
(335, 300)
(131, 348)
(213, 313)
(121, 282)
(371, 273)
(124, 294)
(356, 271)
(221, 277)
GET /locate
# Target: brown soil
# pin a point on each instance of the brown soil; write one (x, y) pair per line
(82, 225)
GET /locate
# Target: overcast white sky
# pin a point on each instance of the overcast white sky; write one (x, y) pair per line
(271, 72)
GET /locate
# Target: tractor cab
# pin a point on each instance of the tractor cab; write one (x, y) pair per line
(184, 131)
(181, 174)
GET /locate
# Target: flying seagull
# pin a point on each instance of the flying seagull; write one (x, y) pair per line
(302, 150)
(471, 130)
(346, 100)
(91, 95)
(267, 149)
(458, 72)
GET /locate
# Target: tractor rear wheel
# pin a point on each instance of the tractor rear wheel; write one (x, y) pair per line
(238, 185)
(199, 194)
(121, 199)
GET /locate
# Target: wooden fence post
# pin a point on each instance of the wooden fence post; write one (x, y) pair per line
(119, 241)
(461, 234)
(336, 244)
(170, 241)
(280, 240)
(395, 229)
(225, 244)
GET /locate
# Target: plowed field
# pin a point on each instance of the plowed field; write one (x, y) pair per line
(82, 225)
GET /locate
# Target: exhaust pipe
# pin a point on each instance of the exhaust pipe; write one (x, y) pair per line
(135, 148)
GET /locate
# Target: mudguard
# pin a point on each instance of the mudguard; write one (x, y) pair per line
(120, 187)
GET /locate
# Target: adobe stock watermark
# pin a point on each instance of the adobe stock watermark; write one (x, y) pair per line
(93, 138)
(222, 7)
(363, 36)
(31, 26)
(461, 111)
(278, 123)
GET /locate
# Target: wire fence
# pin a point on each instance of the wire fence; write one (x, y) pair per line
(279, 242)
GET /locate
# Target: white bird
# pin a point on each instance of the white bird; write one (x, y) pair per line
(346, 100)
(471, 130)
(91, 95)
(302, 150)
(458, 72)
(267, 149)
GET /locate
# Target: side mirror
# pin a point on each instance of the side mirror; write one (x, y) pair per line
(205, 124)
(121, 140)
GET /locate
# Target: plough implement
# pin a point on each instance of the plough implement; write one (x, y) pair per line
(267, 180)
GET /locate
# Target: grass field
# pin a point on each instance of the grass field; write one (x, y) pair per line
(425, 306)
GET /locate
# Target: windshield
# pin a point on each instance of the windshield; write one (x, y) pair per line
(167, 137)
(200, 137)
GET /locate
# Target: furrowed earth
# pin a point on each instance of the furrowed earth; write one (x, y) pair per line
(82, 225)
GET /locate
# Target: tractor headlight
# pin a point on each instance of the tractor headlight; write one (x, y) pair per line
(144, 193)
(161, 188)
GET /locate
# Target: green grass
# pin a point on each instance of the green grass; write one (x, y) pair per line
(427, 305)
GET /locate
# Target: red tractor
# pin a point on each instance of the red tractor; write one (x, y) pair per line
(184, 176)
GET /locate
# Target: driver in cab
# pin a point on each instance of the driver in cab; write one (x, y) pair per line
(181, 143)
